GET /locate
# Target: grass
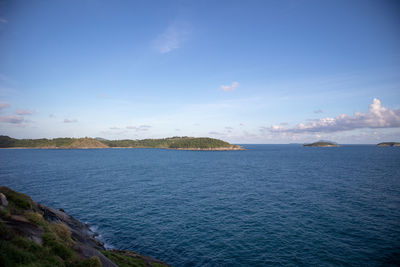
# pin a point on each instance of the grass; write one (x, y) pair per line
(16, 250)
(123, 261)
(16, 201)
(5, 233)
(57, 244)
(20, 251)
(4, 212)
(62, 232)
(35, 218)
(128, 261)
(57, 247)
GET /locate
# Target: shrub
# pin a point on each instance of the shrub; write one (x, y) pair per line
(122, 260)
(56, 247)
(11, 255)
(34, 217)
(62, 231)
(4, 212)
(18, 200)
(91, 262)
(5, 233)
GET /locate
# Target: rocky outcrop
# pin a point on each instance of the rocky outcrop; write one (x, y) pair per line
(3, 200)
(62, 236)
(86, 243)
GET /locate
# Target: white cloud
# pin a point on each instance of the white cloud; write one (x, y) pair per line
(318, 111)
(3, 20)
(171, 38)
(70, 120)
(23, 112)
(12, 119)
(231, 87)
(4, 105)
(376, 117)
(215, 133)
(140, 128)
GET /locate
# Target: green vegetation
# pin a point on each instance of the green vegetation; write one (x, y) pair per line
(172, 142)
(389, 144)
(35, 218)
(198, 143)
(28, 239)
(322, 144)
(18, 250)
(129, 259)
(6, 141)
(146, 143)
(17, 202)
(123, 261)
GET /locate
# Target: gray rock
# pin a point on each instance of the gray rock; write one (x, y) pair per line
(3, 200)
(26, 229)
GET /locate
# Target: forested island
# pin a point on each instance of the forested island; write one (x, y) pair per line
(180, 143)
(32, 234)
(389, 144)
(322, 144)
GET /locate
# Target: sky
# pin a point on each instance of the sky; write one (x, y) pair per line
(263, 72)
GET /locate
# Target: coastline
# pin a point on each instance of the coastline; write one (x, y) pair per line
(189, 149)
(322, 146)
(212, 149)
(63, 239)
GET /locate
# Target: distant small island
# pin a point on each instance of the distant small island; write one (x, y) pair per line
(389, 144)
(322, 144)
(179, 143)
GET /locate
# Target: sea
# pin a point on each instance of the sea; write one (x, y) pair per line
(270, 205)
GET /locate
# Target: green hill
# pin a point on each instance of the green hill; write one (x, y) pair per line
(322, 144)
(389, 144)
(195, 143)
(8, 142)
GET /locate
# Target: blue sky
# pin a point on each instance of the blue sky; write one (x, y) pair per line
(241, 71)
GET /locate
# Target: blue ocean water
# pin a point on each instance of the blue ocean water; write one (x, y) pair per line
(269, 205)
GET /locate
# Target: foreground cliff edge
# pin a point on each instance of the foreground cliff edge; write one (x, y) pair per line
(179, 143)
(35, 235)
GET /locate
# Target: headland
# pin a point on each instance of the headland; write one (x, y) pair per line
(178, 143)
(389, 144)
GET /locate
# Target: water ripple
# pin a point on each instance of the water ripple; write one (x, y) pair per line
(269, 205)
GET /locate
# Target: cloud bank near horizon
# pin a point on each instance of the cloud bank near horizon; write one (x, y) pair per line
(376, 117)
(12, 119)
(4, 105)
(23, 112)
